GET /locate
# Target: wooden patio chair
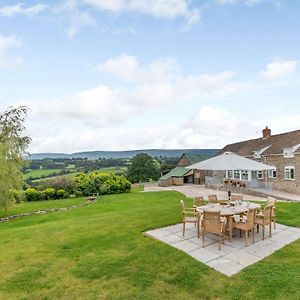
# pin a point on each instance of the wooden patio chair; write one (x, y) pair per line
(245, 223)
(265, 218)
(272, 201)
(212, 222)
(213, 199)
(236, 197)
(190, 215)
(198, 201)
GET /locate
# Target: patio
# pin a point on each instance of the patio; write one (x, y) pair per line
(233, 256)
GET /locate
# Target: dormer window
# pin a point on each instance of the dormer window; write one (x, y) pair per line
(290, 151)
(258, 153)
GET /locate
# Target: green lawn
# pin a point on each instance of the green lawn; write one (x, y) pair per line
(99, 252)
(40, 172)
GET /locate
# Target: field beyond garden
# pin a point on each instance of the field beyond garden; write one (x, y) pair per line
(99, 252)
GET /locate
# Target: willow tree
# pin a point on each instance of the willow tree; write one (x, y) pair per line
(13, 145)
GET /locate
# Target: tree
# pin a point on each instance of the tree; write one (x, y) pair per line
(143, 168)
(13, 145)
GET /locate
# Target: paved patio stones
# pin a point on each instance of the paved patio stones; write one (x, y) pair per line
(233, 256)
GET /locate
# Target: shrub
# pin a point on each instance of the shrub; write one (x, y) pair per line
(102, 183)
(49, 193)
(61, 194)
(61, 183)
(32, 195)
(19, 196)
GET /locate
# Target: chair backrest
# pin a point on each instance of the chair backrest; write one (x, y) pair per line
(211, 221)
(268, 213)
(199, 201)
(213, 198)
(251, 215)
(237, 197)
(272, 201)
(182, 205)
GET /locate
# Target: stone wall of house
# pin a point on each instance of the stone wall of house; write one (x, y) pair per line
(165, 182)
(177, 180)
(279, 183)
(183, 162)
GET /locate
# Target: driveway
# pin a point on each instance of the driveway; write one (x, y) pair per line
(192, 191)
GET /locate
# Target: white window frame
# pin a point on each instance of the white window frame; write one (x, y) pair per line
(260, 175)
(272, 173)
(238, 174)
(246, 173)
(288, 152)
(288, 169)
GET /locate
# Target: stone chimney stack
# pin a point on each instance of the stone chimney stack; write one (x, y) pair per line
(266, 133)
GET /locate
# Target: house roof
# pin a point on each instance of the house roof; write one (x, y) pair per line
(273, 144)
(176, 172)
(194, 158)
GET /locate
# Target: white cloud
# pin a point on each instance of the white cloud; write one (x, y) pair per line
(277, 70)
(243, 2)
(169, 9)
(6, 44)
(19, 9)
(77, 21)
(102, 117)
(124, 66)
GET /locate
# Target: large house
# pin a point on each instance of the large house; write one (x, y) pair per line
(180, 174)
(280, 150)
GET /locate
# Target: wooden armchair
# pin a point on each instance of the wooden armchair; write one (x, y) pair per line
(245, 223)
(198, 201)
(265, 218)
(236, 197)
(190, 215)
(212, 222)
(212, 199)
(272, 201)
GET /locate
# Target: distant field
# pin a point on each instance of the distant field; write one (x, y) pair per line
(110, 170)
(40, 172)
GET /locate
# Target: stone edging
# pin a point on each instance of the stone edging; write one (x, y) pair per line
(44, 211)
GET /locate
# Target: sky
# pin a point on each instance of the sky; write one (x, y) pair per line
(140, 74)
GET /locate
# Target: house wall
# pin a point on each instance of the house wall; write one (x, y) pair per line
(279, 183)
(183, 162)
(177, 180)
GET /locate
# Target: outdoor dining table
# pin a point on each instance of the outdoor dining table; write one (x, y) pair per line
(227, 211)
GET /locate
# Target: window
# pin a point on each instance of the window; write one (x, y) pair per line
(289, 173)
(260, 175)
(244, 175)
(288, 152)
(236, 174)
(272, 173)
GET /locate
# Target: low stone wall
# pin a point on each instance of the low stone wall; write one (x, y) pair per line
(246, 191)
(44, 211)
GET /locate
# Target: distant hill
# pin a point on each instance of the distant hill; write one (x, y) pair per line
(124, 154)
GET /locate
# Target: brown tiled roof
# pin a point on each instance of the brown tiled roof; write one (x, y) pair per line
(276, 142)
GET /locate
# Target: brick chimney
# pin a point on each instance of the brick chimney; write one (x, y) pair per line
(266, 133)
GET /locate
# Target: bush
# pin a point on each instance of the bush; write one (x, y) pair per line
(32, 195)
(61, 183)
(49, 193)
(102, 183)
(19, 196)
(61, 194)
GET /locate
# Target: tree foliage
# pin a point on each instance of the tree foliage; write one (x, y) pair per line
(13, 145)
(143, 168)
